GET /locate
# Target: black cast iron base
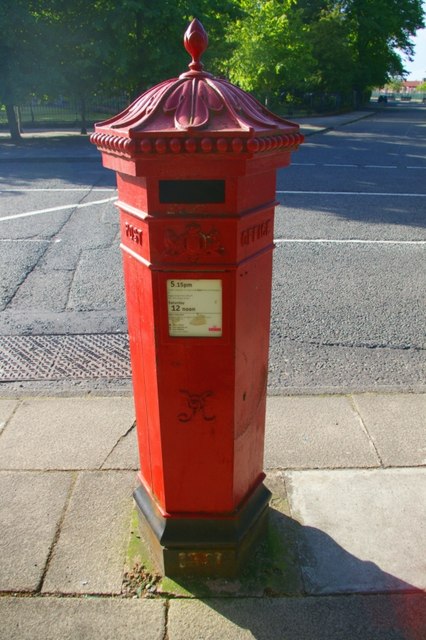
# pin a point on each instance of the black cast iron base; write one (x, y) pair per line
(208, 547)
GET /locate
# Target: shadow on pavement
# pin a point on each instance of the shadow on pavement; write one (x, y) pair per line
(336, 596)
(374, 617)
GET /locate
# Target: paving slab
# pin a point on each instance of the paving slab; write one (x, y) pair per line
(361, 531)
(7, 407)
(64, 433)
(318, 124)
(312, 432)
(81, 619)
(396, 617)
(125, 453)
(397, 425)
(31, 506)
(90, 553)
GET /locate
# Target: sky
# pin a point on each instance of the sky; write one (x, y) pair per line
(417, 68)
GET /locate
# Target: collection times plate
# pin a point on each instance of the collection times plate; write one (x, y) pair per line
(195, 308)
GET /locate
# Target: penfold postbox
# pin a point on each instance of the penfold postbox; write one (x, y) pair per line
(195, 159)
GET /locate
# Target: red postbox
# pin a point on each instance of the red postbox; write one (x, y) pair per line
(196, 158)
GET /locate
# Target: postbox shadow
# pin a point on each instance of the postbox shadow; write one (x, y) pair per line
(301, 584)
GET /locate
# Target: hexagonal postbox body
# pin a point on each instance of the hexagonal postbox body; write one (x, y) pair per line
(196, 159)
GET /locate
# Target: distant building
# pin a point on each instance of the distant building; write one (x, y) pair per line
(405, 90)
(410, 86)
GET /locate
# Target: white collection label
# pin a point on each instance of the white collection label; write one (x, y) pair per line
(195, 308)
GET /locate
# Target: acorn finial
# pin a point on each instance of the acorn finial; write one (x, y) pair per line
(196, 42)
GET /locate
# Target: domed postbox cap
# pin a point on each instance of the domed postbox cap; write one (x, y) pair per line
(195, 113)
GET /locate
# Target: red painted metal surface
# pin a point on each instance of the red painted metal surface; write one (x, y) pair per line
(196, 159)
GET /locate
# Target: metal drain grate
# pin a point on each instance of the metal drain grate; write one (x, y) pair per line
(60, 357)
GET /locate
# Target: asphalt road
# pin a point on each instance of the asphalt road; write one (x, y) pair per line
(350, 269)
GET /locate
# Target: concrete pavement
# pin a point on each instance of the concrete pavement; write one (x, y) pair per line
(347, 542)
(320, 124)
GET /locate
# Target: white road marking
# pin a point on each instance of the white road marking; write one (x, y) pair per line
(329, 164)
(43, 240)
(61, 208)
(345, 241)
(12, 189)
(380, 166)
(355, 193)
(352, 166)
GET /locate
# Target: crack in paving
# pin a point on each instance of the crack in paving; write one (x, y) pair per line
(120, 439)
(55, 540)
(352, 402)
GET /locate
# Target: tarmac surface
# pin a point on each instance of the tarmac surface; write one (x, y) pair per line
(348, 478)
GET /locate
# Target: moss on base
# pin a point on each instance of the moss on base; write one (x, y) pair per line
(272, 570)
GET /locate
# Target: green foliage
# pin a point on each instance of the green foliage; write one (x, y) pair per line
(395, 84)
(269, 48)
(24, 46)
(339, 46)
(379, 30)
(23, 33)
(329, 39)
(143, 39)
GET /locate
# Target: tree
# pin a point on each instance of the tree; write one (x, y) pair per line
(80, 49)
(380, 30)
(344, 46)
(270, 54)
(22, 55)
(82, 45)
(148, 37)
(328, 36)
(357, 43)
(395, 84)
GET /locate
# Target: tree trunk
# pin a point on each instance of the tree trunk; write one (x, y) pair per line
(12, 120)
(83, 116)
(19, 118)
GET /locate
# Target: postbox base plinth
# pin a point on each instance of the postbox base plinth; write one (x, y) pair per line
(204, 546)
